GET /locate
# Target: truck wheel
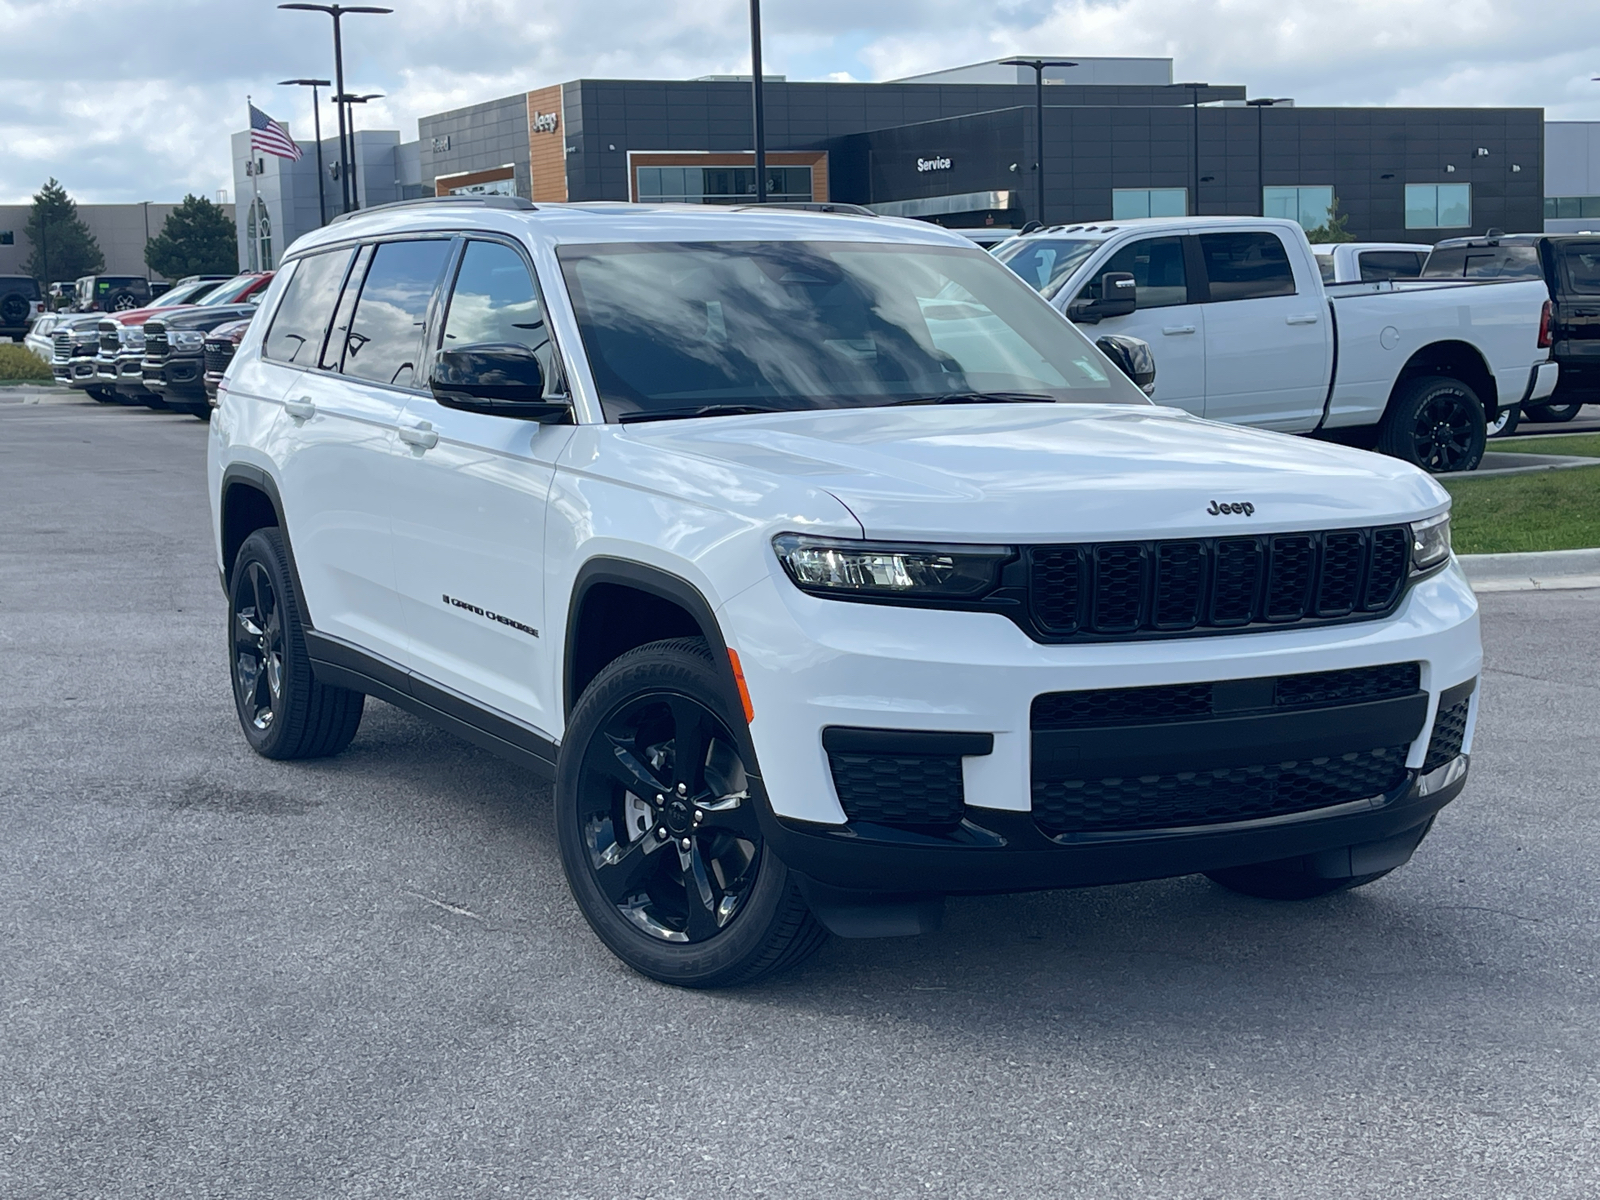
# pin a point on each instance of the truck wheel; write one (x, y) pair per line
(284, 711)
(122, 302)
(657, 826)
(1553, 414)
(14, 309)
(1506, 423)
(102, 395)
(1436, 423)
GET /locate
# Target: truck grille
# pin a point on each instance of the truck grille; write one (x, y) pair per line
(109, 343)
(155, 341)
(62, 343)
(1109, 591)
(218, 356)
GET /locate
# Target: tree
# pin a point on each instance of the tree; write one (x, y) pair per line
(1333, 229)
(197, 239)
(63, 247)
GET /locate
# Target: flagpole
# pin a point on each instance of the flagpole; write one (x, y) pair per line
(255, 184)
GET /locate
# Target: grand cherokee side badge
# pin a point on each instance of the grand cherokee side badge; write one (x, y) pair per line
(1244, 509)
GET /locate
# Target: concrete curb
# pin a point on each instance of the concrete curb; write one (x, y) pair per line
(1543, 570)
(1529, 464)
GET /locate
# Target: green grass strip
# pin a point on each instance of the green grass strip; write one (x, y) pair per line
(1548, 510)
(1573, 443)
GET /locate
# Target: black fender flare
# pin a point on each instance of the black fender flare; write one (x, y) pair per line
(253, 476)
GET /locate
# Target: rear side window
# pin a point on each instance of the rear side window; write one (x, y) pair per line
(385, 339)
(1325, 267)
(301, 321)
(1580, 264)
(1156, 265)
(1246, 266)
(1378, 265)
(1484, 262)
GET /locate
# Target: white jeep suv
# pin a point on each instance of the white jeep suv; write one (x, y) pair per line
(827, 569)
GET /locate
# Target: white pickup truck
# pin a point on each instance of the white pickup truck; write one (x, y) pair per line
(1244, 331)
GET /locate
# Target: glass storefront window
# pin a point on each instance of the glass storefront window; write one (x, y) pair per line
(1438, 205)
(1572, 206)
(1310, 206)
(720, 185)
(1130, 203)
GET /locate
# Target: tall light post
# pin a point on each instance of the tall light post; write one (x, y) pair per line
(1194, 99)
(355, 196)
(1038, 65)
(336, 11)
(1261, 183)
(316, 124)
(758, 101)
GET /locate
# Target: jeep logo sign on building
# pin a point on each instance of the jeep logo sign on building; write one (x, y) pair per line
(545, 122)
(933, 164)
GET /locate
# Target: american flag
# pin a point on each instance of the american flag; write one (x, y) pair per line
(269, 137)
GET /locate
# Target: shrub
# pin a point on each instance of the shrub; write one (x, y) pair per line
(19, 364)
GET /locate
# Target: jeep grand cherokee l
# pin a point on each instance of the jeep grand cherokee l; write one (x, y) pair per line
(826, 569)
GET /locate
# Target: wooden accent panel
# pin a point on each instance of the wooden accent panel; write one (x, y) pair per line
(817, 160)
(547, 149)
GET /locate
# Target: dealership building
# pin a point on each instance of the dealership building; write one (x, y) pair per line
(1121, 139)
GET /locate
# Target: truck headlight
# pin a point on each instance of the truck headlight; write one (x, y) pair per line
(1430, 542)
(186, 339)
(845, 569)
(133, 339)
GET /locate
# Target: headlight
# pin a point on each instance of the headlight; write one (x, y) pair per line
(186, 339)
(846, 569)
(133, 339)
(1430, 542)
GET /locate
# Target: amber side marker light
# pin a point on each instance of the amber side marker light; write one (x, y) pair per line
(744, 692)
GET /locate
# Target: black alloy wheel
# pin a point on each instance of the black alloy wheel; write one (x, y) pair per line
(1554, 414)
(659, 834)
(257, 645)
(1436, 423)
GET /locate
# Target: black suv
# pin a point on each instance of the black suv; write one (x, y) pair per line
(111, 293)
(1570, 266)
(20, 303)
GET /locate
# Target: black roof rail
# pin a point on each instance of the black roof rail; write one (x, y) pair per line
(823, 206)
(512, 202)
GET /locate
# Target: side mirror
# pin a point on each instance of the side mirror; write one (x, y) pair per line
(1118, 298)
(1132, 357)
(498, 380)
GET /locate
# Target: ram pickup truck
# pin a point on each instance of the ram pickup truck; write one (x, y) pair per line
(1244, 331)
(122, 336)
(1369, 262)
(827, 569)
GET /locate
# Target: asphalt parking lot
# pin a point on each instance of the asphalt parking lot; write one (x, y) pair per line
(221, 976)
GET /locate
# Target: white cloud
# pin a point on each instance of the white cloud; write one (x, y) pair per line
(135, 100)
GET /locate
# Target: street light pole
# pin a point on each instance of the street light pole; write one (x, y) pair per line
(1038, 65)
(1194, 98)
(758, 95)
(316, 124)
(355, 195)
(1261, 183)
(336, 11)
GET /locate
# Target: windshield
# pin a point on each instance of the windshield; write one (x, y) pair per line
(229, 293)
(1045, 263)
(677, 329)
(187, 293)
(1484, 262)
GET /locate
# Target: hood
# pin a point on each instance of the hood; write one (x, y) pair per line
(203, 317)
(1070, 472)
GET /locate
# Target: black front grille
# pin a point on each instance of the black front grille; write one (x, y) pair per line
(1109, 707)
(1220, 795)
(218, 356)
(1117, 590)
(917, 791)
(109, 342)
(155, 341)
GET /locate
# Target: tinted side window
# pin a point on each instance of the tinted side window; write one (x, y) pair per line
(339, 335)
(1389, 264)
(1246, 266)
(1325, 267)
(301, 321)
(385, 339)
(1156, 265)
(1484, 262)
(1581, 265)
(496, 302)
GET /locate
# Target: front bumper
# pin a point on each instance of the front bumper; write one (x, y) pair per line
(176, 377)
(813, 664)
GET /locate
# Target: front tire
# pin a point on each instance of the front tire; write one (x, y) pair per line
(1436, 423)
(657, 826)
(283, 710)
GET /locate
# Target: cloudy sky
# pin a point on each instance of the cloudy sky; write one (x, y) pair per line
(127, 100)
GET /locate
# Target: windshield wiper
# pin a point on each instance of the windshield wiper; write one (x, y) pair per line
(979, 398)
(703, 410)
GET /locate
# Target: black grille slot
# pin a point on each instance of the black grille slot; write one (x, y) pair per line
(1118, 588)
(916, 791)
(1449, 731)
(155, 341)
(1215, 796)
(1057, 587)
(1107, 707)
(109, 342)
(1294, 562)
(1180, 584)
(1238, 579)
(218, 356)
(1391, 556)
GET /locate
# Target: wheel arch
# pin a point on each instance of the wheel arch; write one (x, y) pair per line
(617, 605)
(251, 501)
(1457, 360)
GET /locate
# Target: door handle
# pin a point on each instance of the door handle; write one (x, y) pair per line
(1300, 319)
(301, 409)
(422, 435)
(1170, 330)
